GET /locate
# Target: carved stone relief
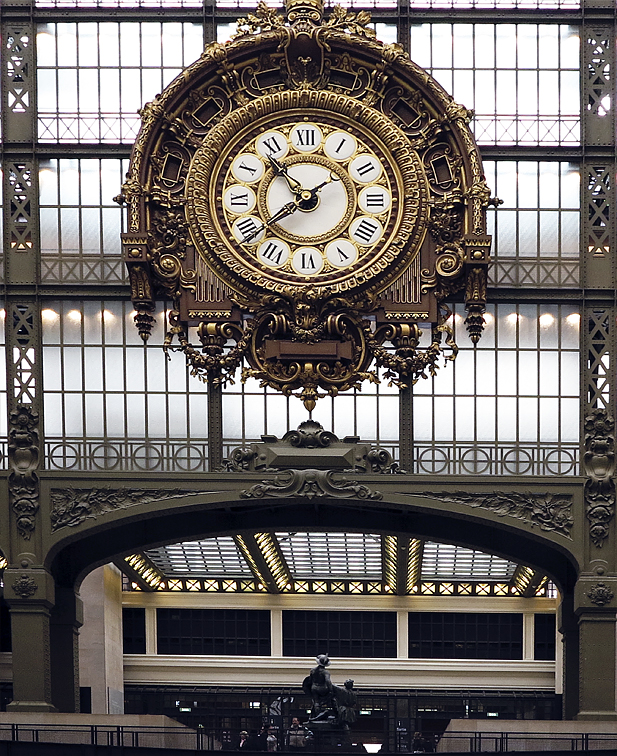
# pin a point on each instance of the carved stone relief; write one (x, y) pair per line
(24, 586)
(310, 484)
(71, 506)
(600, 594)
(551, 512)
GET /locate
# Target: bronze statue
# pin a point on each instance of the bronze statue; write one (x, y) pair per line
(346, 699)
(319, 687)
(332, 704)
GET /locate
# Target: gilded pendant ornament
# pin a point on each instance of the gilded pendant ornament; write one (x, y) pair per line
(308, 198)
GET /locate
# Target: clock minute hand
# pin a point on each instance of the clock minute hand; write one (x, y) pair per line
(281, 170)
(286, 210)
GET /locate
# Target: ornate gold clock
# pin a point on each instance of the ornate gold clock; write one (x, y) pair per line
(294, 182)
(299, 200)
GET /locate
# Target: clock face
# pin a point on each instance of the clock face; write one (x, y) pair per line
(296, 200)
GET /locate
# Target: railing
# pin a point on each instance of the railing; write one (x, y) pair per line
(504, 742)
(185, 738)
(111, 735)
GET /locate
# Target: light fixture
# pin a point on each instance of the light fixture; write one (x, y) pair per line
(49, 316)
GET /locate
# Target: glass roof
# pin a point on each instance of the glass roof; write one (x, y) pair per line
(326, 555)
(444, 561)
(212, 556)
(336, 555)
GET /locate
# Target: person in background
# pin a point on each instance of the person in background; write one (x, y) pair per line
(296, 735)
(271, 741)
(244, 736)
(253, 742)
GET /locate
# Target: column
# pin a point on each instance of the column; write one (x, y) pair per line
(276, 632)
(567, 625)
(29, 588)
(589, 654)
(595, 608)
(100, 640)
(402, 634)
(30, 595)
(65, 621)
(528, 635)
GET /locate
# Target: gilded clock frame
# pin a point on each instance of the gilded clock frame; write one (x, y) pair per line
(307, 339)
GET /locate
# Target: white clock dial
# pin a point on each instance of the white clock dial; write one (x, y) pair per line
(365, 230)
(306, 137)
(327, 214)
(273, 144)
(307, 261)
(365, 168)
(248, 230)
(247, 167)
(341, 253)
(304, 202)
(273, 252)
(239, 199)
(374, 199)
(340, 145)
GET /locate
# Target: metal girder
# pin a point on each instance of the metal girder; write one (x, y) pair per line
(265, 558)
(139, 569)
(386, 15)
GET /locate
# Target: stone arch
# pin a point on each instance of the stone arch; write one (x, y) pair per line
(142, 518)
(75, 555)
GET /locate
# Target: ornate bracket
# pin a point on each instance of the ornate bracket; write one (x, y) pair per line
(599, 462)
(23, 462)
(308, 447)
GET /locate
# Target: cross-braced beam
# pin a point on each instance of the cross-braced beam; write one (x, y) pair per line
(139, 569)
(401, 563)
(526, 580)
(265, 558)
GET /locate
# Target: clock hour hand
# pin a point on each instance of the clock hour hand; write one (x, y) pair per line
(281, 170)
(286, 210)
(331, 177)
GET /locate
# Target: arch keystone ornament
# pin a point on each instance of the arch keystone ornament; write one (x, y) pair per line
(308, 199)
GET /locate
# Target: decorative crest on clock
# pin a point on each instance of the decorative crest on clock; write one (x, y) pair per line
(308, 199)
